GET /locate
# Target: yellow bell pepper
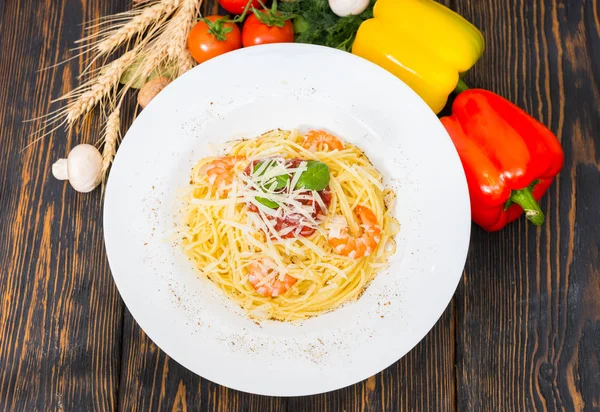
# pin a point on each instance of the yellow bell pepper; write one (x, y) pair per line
(423, 43)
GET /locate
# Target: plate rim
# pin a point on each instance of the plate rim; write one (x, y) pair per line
(175, 356)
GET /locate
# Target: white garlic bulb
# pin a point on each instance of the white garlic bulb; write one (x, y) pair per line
(348, 7)
(82, 168)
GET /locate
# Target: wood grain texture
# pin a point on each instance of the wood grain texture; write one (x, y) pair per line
(523, 332)
(422, 381)
(60, 313)
(529, 304)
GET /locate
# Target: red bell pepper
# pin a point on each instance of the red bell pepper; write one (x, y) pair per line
(509, 158)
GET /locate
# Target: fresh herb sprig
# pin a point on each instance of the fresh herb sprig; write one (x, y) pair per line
(315, 23)
(315, 177)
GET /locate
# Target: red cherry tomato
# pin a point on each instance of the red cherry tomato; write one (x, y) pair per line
(237, 6)
(256, 32)
(208, 40)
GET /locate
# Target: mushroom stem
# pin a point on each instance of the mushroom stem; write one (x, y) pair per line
(82, 168)
(60, 169)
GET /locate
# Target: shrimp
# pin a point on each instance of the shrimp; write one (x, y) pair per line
(320, 139)
(277, 285)
(220, 170)
(355, 247)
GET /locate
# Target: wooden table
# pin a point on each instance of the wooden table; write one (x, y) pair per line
(522, 332)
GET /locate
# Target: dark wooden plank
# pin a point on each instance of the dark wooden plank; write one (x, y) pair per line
(421, 381)
(151, 381)
(60, 314)
(529, 304)
(528, 312)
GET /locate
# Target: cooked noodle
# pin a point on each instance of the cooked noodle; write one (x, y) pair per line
(223, 236)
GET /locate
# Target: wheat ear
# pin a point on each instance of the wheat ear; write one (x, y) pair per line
(169, 48)
(85, 97)
(112, 134)
(181, 25)
(147, 17)
(93, 92)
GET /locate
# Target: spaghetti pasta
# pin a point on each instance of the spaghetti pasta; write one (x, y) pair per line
(288, 226)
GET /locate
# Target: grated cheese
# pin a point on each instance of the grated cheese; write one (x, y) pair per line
(301, 168)
(336, 226)
(317, 198)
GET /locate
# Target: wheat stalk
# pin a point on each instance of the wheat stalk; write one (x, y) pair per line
(112, 134)
(154, 32)
(181, 25)
(170, 48)
(86, 97)
(142, 24)
(142, 20)
(98, 88)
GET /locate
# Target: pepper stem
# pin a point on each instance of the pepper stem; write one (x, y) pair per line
(524, 198)
(461, 86)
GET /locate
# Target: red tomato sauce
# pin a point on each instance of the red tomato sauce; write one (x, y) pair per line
(295, 219)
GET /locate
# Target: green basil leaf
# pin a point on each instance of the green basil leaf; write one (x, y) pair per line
(315, 177)
(280, 181)
(267, 202)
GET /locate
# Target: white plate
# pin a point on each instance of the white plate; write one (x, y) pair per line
(246, 93)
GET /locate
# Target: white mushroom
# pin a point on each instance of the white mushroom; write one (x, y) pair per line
(348, 7)
(82, 168)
